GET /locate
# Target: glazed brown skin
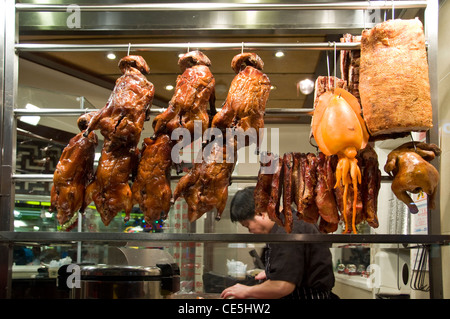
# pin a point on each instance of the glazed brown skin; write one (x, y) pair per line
(205, 186)
(246, 101)
(73, 172)
(287, 195)
(263, 186)
(110, 189)
(121, 120)
(412, 173)
(194, 91)
(151, 188)
(370, 185)
(276, 191)
(325, 200)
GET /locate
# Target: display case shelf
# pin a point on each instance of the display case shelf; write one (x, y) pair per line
(115, 237)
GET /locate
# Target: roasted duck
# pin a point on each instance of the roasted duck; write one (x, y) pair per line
(151, 187)
(122, 118)
(73, 172)
(205, 186)
(412, 172)
(246, 101)
(110, 190)
(194, 91)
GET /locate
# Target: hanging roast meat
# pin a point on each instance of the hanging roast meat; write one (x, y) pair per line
(122, 119)
(205, 186)
(412, 172)
(264, 183)
(370, 185)
(324, 195)
(73, 172)
(110, 190)
(194, 91)
(246, 101)
(151, 187)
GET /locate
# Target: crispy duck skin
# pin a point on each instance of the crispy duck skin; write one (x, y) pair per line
(122, 119)
(110, 189)
(151, 187)
(287, 194)
(205, 186)
(246, 101)
(73, 172)
(273, 208)
(194, 91)
(324, 198)
(412, 172)
(263, 186)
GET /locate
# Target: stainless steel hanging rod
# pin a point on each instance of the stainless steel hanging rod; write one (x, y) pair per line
(206, 6)
(153, 111)
(187, 46)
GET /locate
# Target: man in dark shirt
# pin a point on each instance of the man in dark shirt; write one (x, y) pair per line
(292, 270)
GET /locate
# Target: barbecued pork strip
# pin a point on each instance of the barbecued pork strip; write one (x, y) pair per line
(273, 208)
(310, 211)
(122, 119)
(151, 187)
(371, 182)
(246, 101)
(194, 92)
(73, 172)
(263, 186)
(287, 191)
(324, 199)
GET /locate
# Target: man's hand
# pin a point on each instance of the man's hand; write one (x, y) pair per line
(261, 276)
(270, 289)
(237, 291)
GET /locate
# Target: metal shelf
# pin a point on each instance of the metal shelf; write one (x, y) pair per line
(115, 237)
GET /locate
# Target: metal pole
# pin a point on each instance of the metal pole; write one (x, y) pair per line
(8, 134)
(363, 5)
(153, 111)
(434, 218)
(30, 47)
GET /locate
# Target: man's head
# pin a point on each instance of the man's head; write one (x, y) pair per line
(243, 211)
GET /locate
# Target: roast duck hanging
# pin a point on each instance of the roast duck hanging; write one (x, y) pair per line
(339, 129)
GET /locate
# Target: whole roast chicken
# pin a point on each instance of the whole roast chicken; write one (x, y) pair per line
(122, 119)
(194, 91)
(246, 101)
(73, 172)
(412, 172)
(151, 187)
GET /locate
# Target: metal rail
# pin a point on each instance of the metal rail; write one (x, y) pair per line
(153, 111)
(61, 237)
(363, 5)
(27, 47)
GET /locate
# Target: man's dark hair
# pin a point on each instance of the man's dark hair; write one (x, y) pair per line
(243, 205)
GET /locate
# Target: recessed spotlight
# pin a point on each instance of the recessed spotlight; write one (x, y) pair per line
(273, 87)
(279, 54)
(111, 56)
(306, 86)
(169, 87)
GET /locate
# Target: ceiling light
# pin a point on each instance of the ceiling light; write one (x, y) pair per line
(111, 56)
(306, 86)
(279, 54)
(169, 87)
(273, 87)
